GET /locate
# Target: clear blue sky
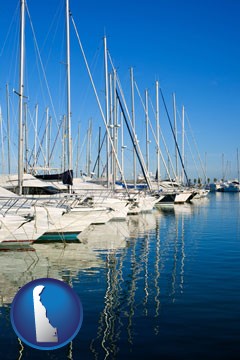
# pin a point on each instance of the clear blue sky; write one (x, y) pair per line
(191, 47)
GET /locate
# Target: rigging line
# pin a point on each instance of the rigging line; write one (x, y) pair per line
(163, 160)
(75, 147)
(82, 147)
(95, 142)
(81, 151)
(2, 143)
(29, 114)
(74, 143)
(191, 153)
(174, 136)
(56, 15)
(131, 134)
(9, 29)
(13, 58)
(93, 66)
(41, 63)
(97, 159)
(195, 143)
(165, 145)
(40, 148)
(140, 156)
(12, 108)
(40, 142)
(98, 101)
(56, 137)
(41, 82)
(5, 131)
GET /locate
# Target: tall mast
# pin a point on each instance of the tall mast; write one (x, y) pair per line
(111, 157)
(133, 126)
(88, 152)
(106, 107)
(205, 167)
(223, 170)
(63, 144)
(69, 135)
(49, 142)
(2, 145)
(237, 165)
(78, 151)
(20, 92)
(147, 131)
(99, 150)
(35, 137)
(115, 128)
(158, 134)
(175, 132)
(122, 142)
(183, 134)
(46, 141)
(8, 129)
(26, 137)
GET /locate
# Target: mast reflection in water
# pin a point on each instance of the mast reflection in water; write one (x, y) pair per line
(161, 285)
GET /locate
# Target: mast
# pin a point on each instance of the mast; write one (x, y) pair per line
(122, 142)
(158, 134)
(35, 137)
(170, 123)
(78, 151)
(115, 127)
(63, 143)
(175, 131)
(88, 152)
(205, 167)
(20, 92)
(98, 102)
(183, 134)
(155, 138)
(26, 137)
(223, 171)
(2, 145)
(106, 107)
(147, 132)
(8, 129)
(133, 126)
(111, 157)
(49, 142)
(99, 150)
(135, 142)
(237, 166)
(46, 141)
(69, 135)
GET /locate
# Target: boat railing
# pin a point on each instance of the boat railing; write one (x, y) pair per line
(17, 204)
(13, 204)
(88, 197)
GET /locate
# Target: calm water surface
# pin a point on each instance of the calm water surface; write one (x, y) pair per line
(164, 285)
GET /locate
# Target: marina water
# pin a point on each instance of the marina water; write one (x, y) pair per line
(163, 285)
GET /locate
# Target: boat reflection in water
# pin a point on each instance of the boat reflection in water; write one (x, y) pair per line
(50, 260)
(140, 281)
(125, 273)
(61, 261)
(58, 260)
